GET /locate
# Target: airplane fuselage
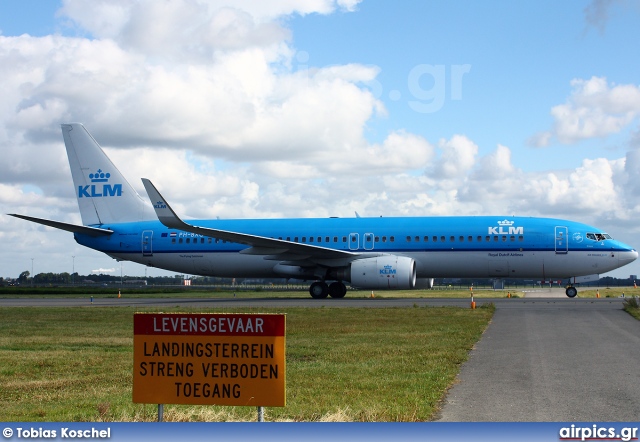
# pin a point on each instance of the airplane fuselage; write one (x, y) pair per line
(482, 247)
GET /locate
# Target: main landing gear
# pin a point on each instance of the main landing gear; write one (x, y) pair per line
(320, 290)
(571, 291)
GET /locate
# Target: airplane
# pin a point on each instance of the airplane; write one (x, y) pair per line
(365, 252)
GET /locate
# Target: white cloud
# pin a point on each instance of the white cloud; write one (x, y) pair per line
(457, 158)
(594, 109)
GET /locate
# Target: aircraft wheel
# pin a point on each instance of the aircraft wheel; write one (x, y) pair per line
(337, 290)
(571, 292)
(319, 290)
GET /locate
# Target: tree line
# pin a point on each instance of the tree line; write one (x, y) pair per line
(66, 278)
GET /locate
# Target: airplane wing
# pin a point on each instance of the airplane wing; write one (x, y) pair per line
(86, 230)
(271, 248)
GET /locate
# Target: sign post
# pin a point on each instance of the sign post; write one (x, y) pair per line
(209, 359)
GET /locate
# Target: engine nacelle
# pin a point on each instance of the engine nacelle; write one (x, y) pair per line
(384, 272)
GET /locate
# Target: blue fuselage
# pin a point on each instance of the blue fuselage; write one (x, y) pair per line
(494, 246)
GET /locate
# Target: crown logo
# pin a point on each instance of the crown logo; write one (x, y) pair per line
(99, 177)
(506, 222)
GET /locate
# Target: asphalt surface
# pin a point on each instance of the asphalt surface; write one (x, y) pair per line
(544, 357)
(568, 363)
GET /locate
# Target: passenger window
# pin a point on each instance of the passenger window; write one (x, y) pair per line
(384, 239)
(417, 239)
(392, 238)
(462, 239)
(442, 238)
(426, 239)
(452, 238)
(408, 239)
(435, 239)
(470, 238)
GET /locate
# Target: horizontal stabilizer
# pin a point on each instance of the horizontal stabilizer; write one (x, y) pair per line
(91, 231)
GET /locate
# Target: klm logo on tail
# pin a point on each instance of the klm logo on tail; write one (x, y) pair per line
(100, 187)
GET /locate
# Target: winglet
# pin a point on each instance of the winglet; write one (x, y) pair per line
(165, 213)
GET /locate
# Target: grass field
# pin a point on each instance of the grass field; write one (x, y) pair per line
(343, 364)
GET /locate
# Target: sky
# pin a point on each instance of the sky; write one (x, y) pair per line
(316, 108)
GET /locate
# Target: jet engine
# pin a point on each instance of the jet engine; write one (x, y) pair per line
(384, 272)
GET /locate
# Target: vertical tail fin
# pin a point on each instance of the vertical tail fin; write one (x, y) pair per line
(104, 195)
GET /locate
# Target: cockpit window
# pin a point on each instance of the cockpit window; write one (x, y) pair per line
(598, 236)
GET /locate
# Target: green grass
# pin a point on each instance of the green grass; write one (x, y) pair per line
(614, 292)
(632, 306)
(75, 364)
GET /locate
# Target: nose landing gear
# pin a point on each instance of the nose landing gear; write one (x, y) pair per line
(571, 291)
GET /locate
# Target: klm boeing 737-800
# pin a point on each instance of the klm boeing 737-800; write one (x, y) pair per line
(368, 253)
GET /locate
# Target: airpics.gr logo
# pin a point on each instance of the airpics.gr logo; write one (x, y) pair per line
(505, 227)
(388, 270)
(100, 187)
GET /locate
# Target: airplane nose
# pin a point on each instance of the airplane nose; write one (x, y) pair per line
(627, 257)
